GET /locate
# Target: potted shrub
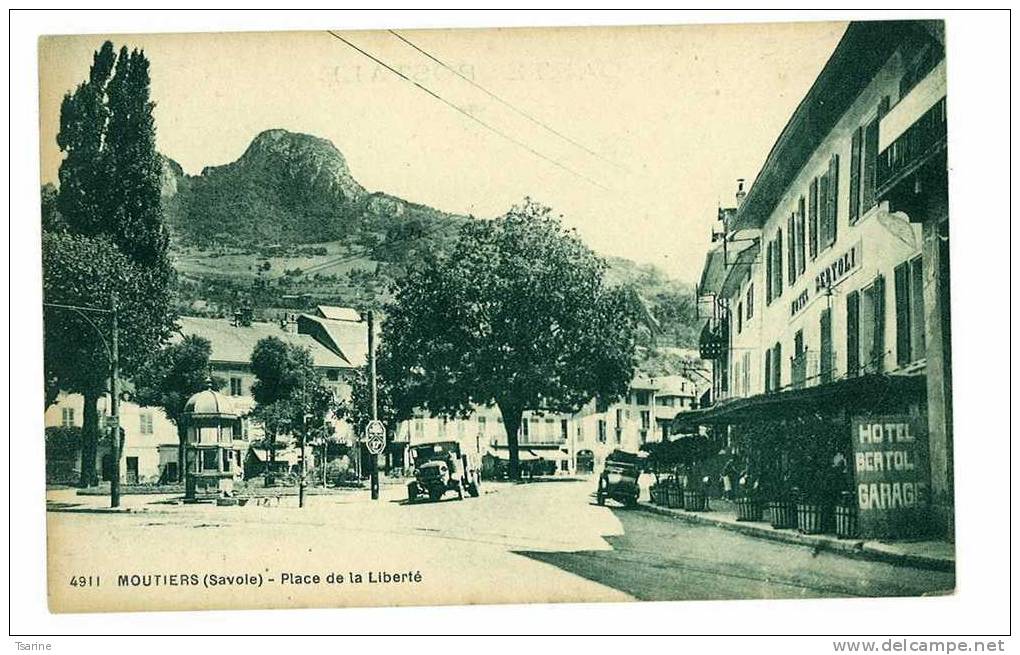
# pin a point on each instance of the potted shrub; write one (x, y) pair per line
(783, 508)
(695, 498)
(846, 516)
(674, 498)
(748, 501)
(814, 503)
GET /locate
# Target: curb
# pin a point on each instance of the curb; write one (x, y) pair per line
(853, 548)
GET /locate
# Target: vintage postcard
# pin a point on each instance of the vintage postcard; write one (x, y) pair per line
(476, 316)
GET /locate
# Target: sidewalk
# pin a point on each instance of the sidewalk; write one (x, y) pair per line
(931, 554)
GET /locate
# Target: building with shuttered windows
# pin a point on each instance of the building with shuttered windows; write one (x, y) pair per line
(826, 290)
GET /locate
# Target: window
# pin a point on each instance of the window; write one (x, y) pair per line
(550, 429)
(872, 326)
(619, 419)
(740, 317)
(646, 419)
(235, 386)
(768, 370)
(210, 459)
(853, 326)
(332, 375)
(813, 218)
(791, 249)
(909, 289)
(825, 346)
(869, 166)
(145, 423)
(642, 397)
(777, 367)
(749, 302)
(602, 430)
(779, 263)
(829, 190)
(768, 273)
(419, 427)
(800, 228)
(67, 417)
(855, 174)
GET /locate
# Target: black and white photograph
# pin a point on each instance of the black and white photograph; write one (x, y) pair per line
(339, 318)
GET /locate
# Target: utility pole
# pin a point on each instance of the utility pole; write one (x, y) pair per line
(374, 461)
(114, 406)
(301, 474)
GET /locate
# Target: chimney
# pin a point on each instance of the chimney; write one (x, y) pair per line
(740, 192)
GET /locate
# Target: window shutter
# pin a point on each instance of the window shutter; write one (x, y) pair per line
(830, 234)
(768, 370)
(778, 268)
(791, 250)
(768, 273)
(878, 352)
(853, 326)
(825, 346)
(901, 283)
(823, 210)
(801, 259)
(777, 367)
(870, 166)
(813, 218)
(855, 174)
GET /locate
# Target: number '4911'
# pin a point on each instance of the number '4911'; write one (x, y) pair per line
(84, 580)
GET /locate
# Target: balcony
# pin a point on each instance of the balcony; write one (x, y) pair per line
(811, 368)
(912, 141)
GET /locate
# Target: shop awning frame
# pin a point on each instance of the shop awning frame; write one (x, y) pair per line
(866, 393)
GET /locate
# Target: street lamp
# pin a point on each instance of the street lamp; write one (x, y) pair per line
(113, 357)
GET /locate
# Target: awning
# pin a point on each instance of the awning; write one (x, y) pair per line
(713, 273)
(872, 393)
(523, 454)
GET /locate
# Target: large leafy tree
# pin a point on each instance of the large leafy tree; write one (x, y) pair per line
(87, 272)
(111, 220)
(517, 315)
(291, 394)
(169, 379)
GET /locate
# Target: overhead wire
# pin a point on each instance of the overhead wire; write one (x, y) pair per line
(468, 114)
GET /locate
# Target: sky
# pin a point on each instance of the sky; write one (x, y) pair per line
(663, 120)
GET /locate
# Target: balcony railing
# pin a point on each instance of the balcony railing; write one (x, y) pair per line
(714, 340)
(811, 368)
(913, 147)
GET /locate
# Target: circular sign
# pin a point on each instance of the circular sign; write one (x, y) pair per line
(375, 437)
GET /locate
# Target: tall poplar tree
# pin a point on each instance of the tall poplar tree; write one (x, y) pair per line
(109, 203)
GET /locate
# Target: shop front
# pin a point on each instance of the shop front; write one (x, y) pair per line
(848, 457)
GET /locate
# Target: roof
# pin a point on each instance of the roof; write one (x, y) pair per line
(713, 273)
(209, 403)
(739, 267)
(675, 385)
(338, 313)
(860, 54)
(235, 343)
(347, 339)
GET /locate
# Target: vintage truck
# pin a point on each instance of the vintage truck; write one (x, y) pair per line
(619, 479)
(440, 467)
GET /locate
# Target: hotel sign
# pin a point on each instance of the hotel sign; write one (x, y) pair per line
(834, 273)
(839, 269)
(890, 458)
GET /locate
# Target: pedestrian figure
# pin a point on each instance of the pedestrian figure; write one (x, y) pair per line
(727, 478)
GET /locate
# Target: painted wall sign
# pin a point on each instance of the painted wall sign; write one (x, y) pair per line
(840, 267)
(799, 303)
(891, 475)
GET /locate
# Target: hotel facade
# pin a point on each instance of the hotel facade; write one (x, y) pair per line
(825, 289)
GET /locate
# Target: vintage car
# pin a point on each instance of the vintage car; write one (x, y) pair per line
(440, 467)
(619, 478)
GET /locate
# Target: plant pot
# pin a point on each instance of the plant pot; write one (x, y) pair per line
(748, 509)
(695, 500)
(673, 497)
(846, 521)
(783, 514)
(812, 518)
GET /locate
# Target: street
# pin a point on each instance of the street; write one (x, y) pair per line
(541, 542)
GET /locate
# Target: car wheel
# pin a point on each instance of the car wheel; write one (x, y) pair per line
(435, 494)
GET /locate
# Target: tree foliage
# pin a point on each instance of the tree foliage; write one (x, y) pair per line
(109, 241)
(172, 376)
(518, 315)
(292, 396)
